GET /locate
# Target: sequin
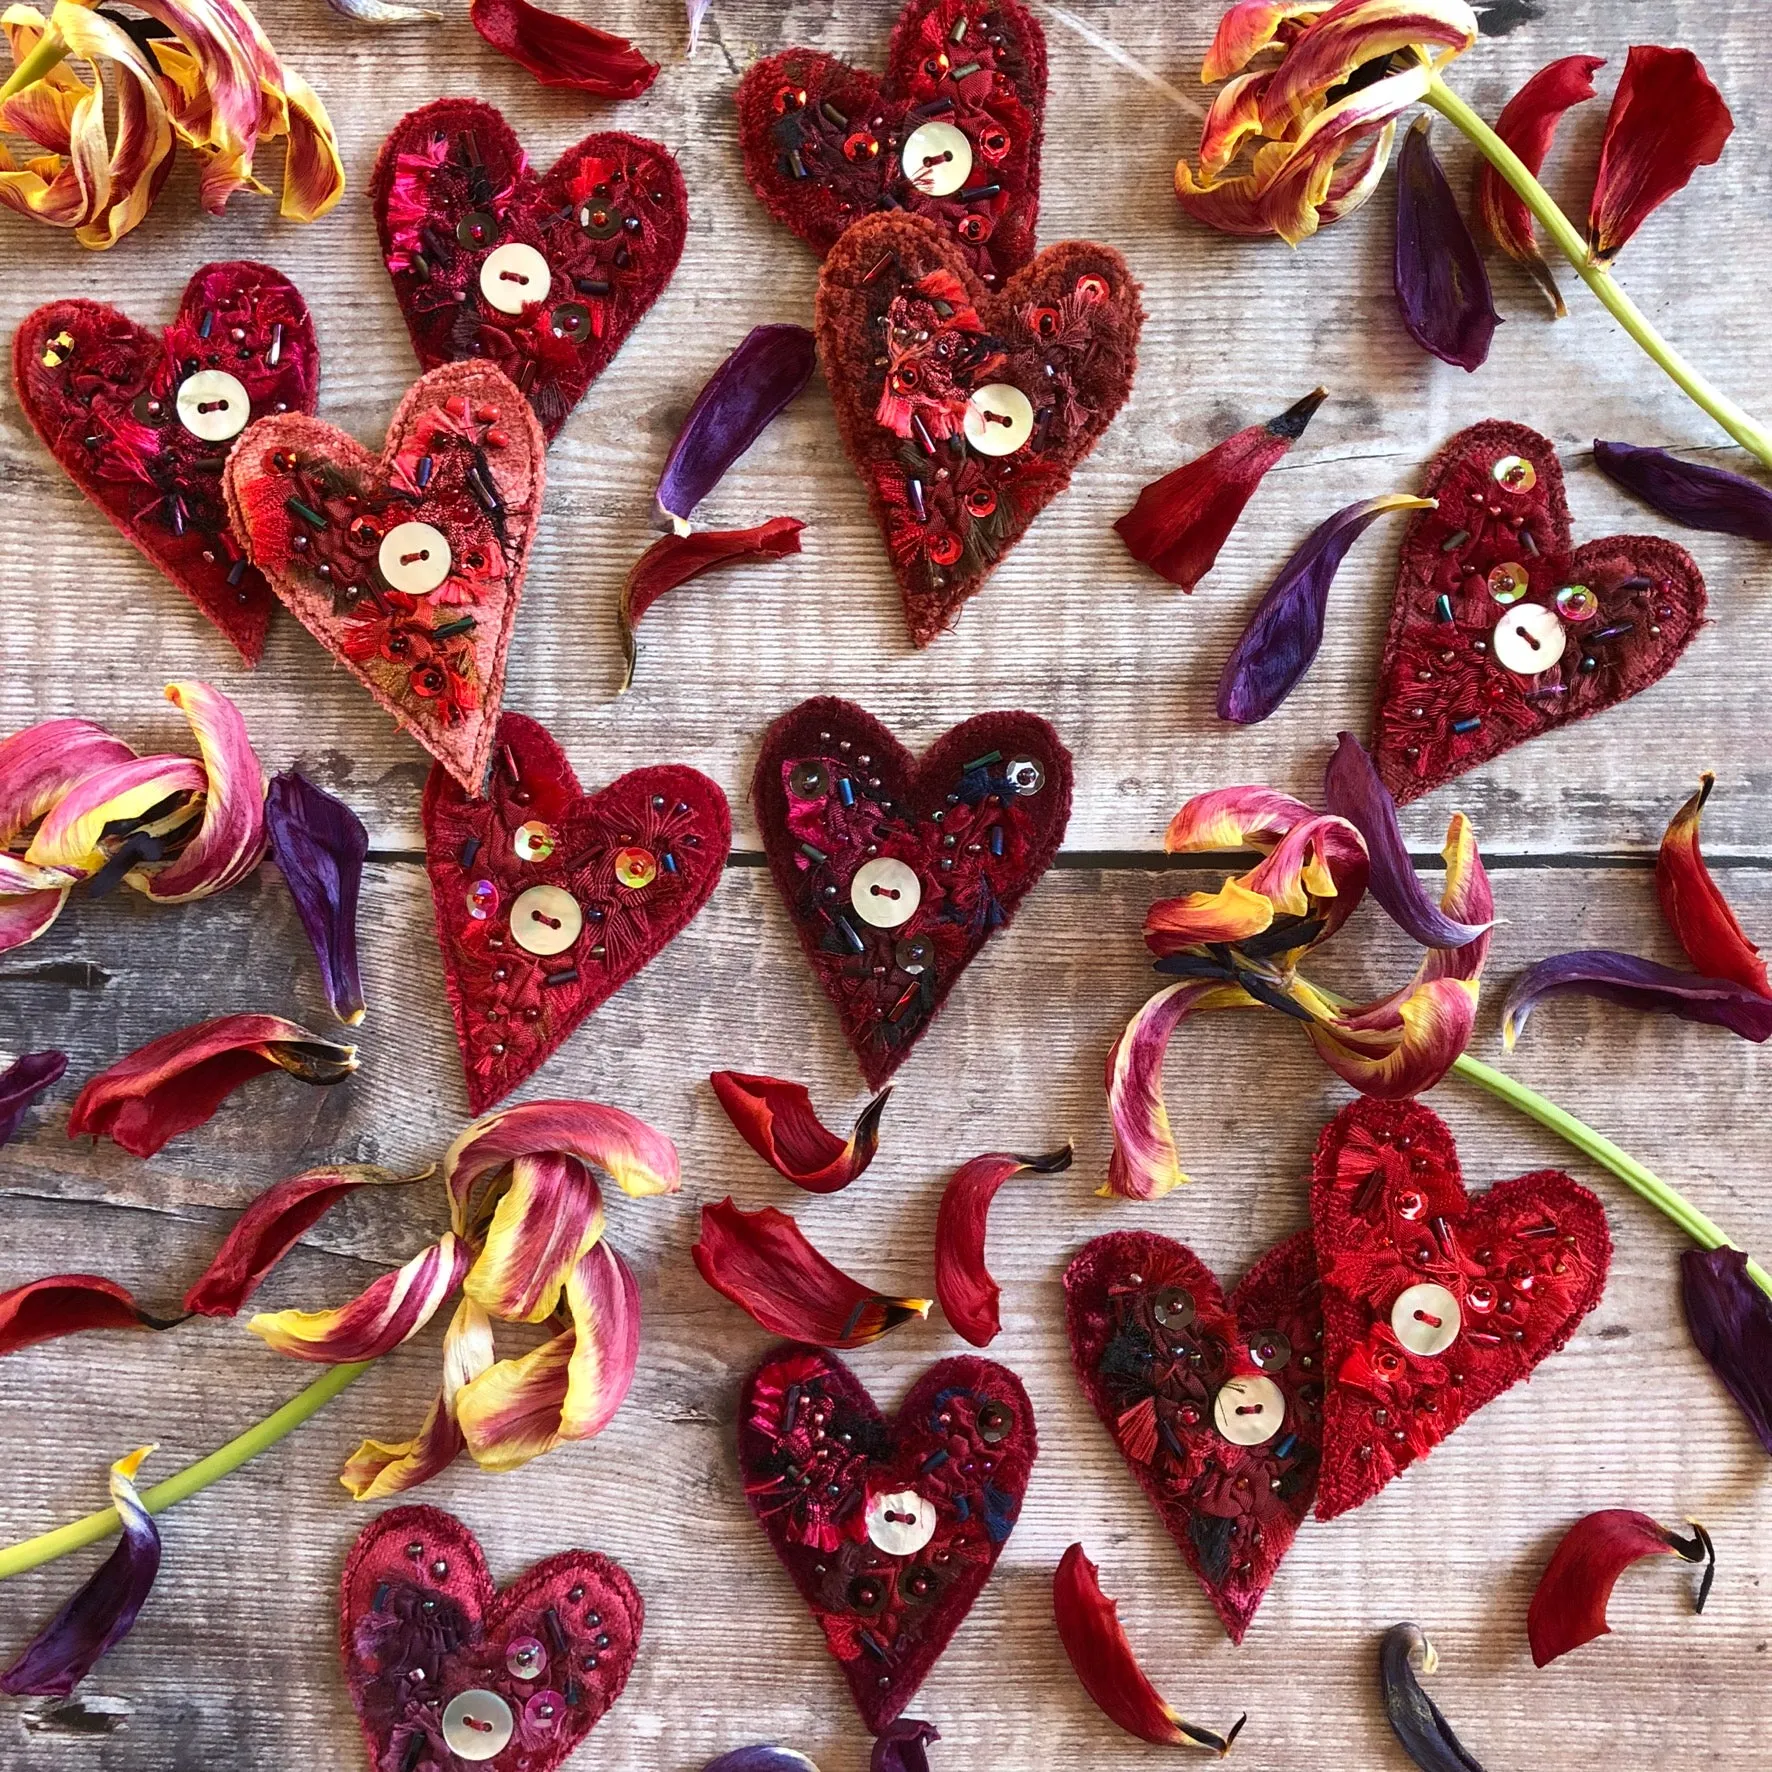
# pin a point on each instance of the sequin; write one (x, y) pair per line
(635, 867)
(809, 781)
(1508, 582)
(525, 1658)
(1577, 603)
(1516, 473)
(482, 900)
(1025, 775)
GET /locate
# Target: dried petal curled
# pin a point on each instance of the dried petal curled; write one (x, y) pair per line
(560, 51)
(1441, 282)
(1426, 1736)
(320, 844)
(1731, 1323)
(777, 1121)
(67, 1304)
(1636, 984)
(22, 1082)
(903, 1746)
(388, 1311)
(963, 1282)
(1690, 492)
(1695, 907)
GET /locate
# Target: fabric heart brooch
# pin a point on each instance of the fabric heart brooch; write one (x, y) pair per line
(143, 422)
(897, 872)
(951, 133)
(889, 1529)
(445, 1668)
(407, 568)
(545, 276)
(966, 412)
(549, 899)
(1502, 628)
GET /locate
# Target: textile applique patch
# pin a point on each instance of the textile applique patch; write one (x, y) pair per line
(966, 412)
(142, 422)
(1502, 628)
(544, 275)
(897, 871)
(1433, 1303)
(549, 899)
(1216, 1405)
(889, 1529)
(446, 1669)
(951, 133)
(407, 568)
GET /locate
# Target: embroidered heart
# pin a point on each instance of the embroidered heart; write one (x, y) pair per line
(951, 133)
(889, 1529)
(549, 899)
(1215, 1405)
(896, 872)
(1433, 1303)
(1502, 628)
(966, 412)
(142, 422)
(407, 568)
(444, 1668)
(547, 275)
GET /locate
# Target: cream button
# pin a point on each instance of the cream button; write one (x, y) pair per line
(477, 1725)
(545, 920)
(885, 892)
(1426, 1319)
(999, 418)
(514, 277)
(1528, 638)
(900, 1523)
(414, 558)
(1249, 1411)
(937, 159)
(213, 405)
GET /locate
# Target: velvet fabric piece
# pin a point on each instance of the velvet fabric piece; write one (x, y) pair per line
(829, 1478)
(639, 857)
(106, 403)
(945, 816)
(1445, 702)
(453, 185)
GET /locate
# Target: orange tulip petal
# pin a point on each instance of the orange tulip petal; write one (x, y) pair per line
(1249, 27)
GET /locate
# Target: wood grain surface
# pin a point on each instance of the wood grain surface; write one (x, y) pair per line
(234, 1662)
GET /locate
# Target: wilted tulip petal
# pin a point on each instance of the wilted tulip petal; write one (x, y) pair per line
(963, 1282)
(1637, 984)
(545, 1223)
(1693, 493)
(67, 1304)
(22, 1082)
(777, 1121)
(320, 844)
(1095, 1640)
(1416, 1720)
(1248, 27)
(764, 1757)
(1731, 1323)
(697, 10)
(105, 1609)
(1695, 908)
(1569, 1606)
(903, 1746)
(762, 1261)
(560, 51)
(1441, 282)
(1180, 522)
(385, 1313)
(176, 1082)
(119, 818)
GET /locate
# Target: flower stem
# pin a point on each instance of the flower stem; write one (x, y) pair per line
(1604, 1152)
(50, 52)
(1746, 430)
(47, 1546)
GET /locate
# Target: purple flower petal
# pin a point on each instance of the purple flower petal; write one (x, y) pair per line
(769, 367)
(1687, 491)
(22, 1082)
(903, 1746)
(320, 843)
(764, 1757)
(1441, 281)
(1637, 984)
(1283, 635)
(697, 12)
(1731, 1323)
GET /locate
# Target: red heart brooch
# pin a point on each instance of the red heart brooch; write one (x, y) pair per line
(1433, 1303)
(407, 568)
(444, 1668)
(546, 276)
(550, 899)
(143, 422)
(1502, 628)
(1216, 1405)
(889, 1529)
(966, 412)
(897, 871)
(951, 133)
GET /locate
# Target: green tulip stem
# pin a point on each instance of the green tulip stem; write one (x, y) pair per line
(49, 54)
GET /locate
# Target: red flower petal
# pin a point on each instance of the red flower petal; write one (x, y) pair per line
(776, 1120)
(562, 52)
(963, 1283)
(1695, 908)
(65, 1304)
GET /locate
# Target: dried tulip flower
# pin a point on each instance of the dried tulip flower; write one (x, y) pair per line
(1414, 1718)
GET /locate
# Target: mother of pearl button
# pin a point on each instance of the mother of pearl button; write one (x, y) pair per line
(1426, 1319)
(999, 418)
(514, 277)
(546, 920)
(477, 1725)
(937, 159)
(213, 405)
(885, 892)
(414, 558)
(1249, 1411)
(1528, 638)
(900, 1523)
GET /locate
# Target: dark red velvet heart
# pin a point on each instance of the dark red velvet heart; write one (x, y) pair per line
(1502, 628)
(966, 412)
(1155, 1345)
(889, 1529)
(463, 219)
(897, 871)
(621, 872)
(105, 395)
(435, 1655)
(406, 567)
(1511, 1274)
(961, 107)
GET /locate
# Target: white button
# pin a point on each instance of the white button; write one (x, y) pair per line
(1426, 1319)
(900, 1524)
(414, 558)
(213, 405)
(1249, 1411)
(477, 1725)
(545, 920)
(999, 418)
(1528, 638)
(937, 159)
(514, 277)
(885, 892)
